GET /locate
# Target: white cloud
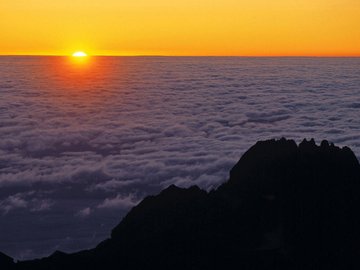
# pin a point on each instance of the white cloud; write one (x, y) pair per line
(41, 205)
(113, 185)
(25, 200)
(13, 202)
(119, 202)
(84, 212)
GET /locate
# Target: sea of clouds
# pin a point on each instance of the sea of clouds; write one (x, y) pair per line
(82, 143)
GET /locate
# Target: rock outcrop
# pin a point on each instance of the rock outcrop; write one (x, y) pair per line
(6, 261)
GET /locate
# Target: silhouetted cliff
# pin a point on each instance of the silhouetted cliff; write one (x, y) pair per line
(5, 261)
(284, 207)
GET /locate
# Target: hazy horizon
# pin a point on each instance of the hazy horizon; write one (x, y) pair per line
(159, 55)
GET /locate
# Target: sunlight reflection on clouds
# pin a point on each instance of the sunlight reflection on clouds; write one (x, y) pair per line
(80, 147)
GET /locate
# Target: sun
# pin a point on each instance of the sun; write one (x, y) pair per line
(79, 54)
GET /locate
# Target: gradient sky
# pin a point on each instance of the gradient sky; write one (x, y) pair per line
(186, 27)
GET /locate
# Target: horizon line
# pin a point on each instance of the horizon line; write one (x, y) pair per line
(164, 55)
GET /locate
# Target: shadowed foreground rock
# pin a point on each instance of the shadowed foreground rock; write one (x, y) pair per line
(284, 207)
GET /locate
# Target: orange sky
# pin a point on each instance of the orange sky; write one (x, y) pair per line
(181, 27)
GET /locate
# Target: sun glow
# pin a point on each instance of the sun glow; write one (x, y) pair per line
(162, 27)
(79, 54)
(80, 58)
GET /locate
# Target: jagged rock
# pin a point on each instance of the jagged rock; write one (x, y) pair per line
(6, 261)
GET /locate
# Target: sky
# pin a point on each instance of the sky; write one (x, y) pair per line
(186, 27)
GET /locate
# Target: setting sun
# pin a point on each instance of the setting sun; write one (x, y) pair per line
(79, 54)
(159, 27)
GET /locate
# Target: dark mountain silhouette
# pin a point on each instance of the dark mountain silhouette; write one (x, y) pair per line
(284, 207)
(5, 261)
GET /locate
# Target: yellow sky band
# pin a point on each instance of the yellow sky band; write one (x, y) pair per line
(186, 27)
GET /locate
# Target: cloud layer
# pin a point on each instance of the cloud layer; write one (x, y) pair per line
(78, 148)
